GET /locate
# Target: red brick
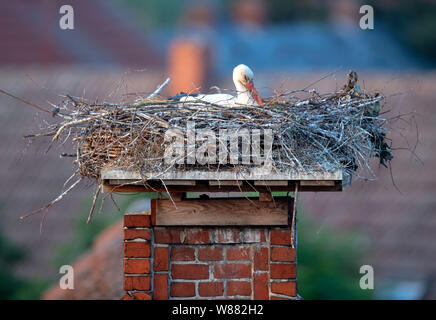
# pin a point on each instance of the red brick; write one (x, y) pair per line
(262, 235)
(136, 220)
(288, 288)
(160, 286)
(167, 235)
(182, 289)
(261, 286)
(136, 266)
(238, 253)
(136, 249)
(227, 236)
(241, 288)
(280, 237)
(210, 289)
(161, 259)
(210, 254)
(232, 271)
(136, 283)
(283, 254)
(190, 271)
(141, 296)
(182, 253)
(126, 297)
(261, 259)
(283, 271)
(193, 236)
(132, 234)
(251, 235)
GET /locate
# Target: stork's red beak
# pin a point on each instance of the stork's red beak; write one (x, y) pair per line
(253, 91)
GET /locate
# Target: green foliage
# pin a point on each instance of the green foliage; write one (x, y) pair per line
(154, 13)
(82, 238)
(30, 289)
(328, 263)
(12, 286)
(167, 13)
(287, 10)
(84, 233)
(412, 22)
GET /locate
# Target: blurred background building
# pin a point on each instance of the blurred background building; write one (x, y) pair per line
(118, 48)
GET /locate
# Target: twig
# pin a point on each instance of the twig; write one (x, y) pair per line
(97, 192)
(159, 89)
(24, 101)
(51, 203)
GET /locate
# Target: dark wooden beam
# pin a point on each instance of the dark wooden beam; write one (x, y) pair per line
(203, 186)
(220, 212)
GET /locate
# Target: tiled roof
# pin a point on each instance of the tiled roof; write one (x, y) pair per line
(103, 34)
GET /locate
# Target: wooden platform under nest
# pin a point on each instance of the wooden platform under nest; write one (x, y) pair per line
(121, 180)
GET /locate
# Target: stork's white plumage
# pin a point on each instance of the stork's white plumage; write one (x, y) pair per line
(246, 93)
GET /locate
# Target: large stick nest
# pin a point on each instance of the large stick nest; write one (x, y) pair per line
(337, 131)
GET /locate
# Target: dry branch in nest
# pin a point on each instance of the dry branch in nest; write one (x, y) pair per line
(337, 131)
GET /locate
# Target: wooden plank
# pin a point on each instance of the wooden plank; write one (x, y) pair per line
(158, 187)
(146, 213)
(225, 183)
(179, 182)
(134, 182)
(130, 182)
(221, 212)
(251, 174)
(270, 183)
(317, 183)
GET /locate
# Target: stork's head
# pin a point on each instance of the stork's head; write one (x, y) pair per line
(244, 75)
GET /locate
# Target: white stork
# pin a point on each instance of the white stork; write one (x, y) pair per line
(246, 93)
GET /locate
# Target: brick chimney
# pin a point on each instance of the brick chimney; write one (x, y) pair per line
(240, 262)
